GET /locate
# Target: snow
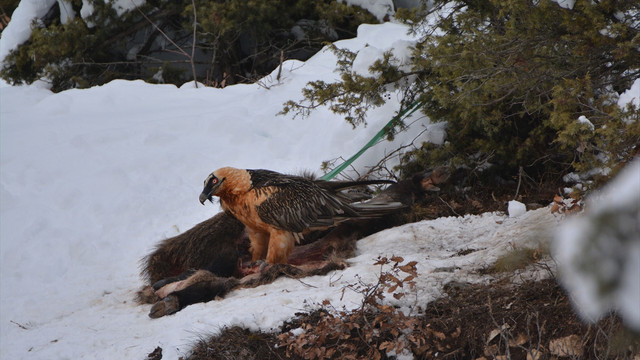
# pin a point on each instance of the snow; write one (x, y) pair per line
(598, 253)
(516, 208)
(381, 9)
(123, 6)
(92, 179)
(87, 10)
(631, 96)
(585, 121)
(567, 4)
(66, 11)
(365, 58)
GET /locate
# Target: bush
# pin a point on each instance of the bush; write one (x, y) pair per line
(369, 332)
(520, 83)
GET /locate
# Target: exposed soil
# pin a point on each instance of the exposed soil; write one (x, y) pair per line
(465, 193)
(472, 322)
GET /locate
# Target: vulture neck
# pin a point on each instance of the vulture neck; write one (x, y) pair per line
(237, 182)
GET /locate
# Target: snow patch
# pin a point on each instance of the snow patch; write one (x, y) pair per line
(401, 57)
(583, 120)
(381, 9)
(631, 96)
(516, 209)
(66, 11)
(567, 4)
(365, 59)
(19, 28)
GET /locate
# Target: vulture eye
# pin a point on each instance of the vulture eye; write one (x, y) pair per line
(211, 180)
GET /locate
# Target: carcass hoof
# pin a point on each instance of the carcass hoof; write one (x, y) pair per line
(167, 306)
(146, 295)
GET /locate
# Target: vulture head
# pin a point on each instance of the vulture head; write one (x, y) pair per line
(212, 185)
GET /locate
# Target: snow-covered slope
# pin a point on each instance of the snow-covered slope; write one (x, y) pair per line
(92, 179)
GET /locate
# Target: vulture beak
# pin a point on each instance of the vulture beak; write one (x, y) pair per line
(204, 197)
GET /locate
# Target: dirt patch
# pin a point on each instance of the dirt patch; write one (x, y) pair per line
(473, 193)
(238, 343)
(497, 321)
(516, 322)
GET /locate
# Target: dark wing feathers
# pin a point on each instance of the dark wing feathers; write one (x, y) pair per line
(295, 203)
(265, 178)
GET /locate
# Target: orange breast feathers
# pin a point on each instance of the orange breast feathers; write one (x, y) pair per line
(244, 208)
(236, 196)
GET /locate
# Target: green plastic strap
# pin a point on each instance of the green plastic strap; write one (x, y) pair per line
(408, 111)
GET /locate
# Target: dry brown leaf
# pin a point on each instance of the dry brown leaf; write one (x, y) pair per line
(491, 350)
(496, 332)
(387, 346)
(408, 268)
(566, 346)
(439, 335)
(493, 334)
(396, 280)
(534, 354)
(520, 340)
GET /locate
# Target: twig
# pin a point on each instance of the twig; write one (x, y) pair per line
(520, 171)
(305, 284)
(19, 325)
(331, 281)
(280, 67)
(441, 199)
(193, 44)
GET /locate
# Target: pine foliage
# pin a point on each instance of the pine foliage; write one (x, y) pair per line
(234, 41)
(519, 82)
